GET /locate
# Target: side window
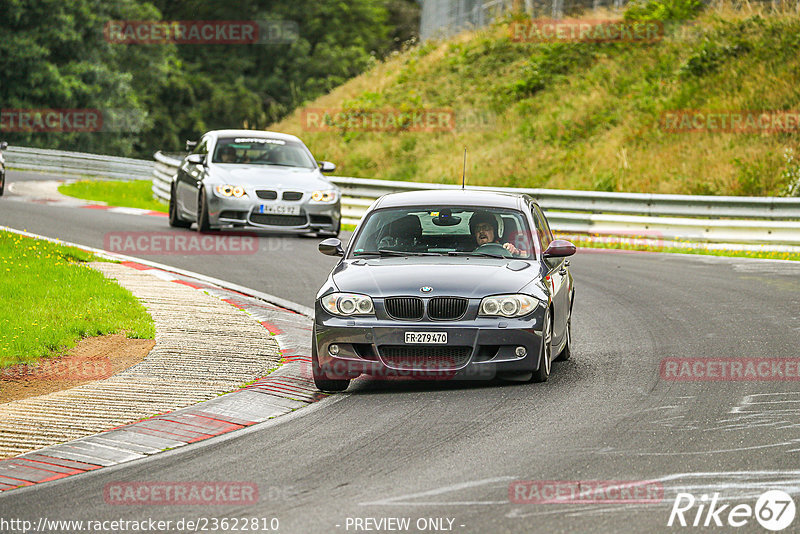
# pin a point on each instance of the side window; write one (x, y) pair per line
(542, 229)
(545, 225)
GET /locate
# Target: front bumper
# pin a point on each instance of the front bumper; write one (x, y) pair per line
(476, 349)
(245, 212)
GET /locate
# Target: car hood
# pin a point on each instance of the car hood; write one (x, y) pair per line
(270, 176)
(447, 276)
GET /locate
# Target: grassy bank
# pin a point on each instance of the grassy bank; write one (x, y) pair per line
(581, 115)
(128, 194)
(51, 299)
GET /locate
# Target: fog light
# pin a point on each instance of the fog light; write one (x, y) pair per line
(520, 352)
(333, 349)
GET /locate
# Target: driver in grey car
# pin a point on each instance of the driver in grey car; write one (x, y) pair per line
(483, 226)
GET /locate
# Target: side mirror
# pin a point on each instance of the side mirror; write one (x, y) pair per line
(3, 145)
(197, 159)
(190, 145)
(331, 247)
(559, 248)
(326, 166)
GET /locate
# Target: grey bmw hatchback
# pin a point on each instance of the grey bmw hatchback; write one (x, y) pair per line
(445, 284)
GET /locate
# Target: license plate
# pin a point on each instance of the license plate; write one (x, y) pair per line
(279, 209)
(426, 337)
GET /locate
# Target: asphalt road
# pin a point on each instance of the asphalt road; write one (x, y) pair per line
(451, 450)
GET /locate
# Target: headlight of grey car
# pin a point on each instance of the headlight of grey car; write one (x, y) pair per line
(227, 190)
(328, 195)
(508, 305)
(348, 304)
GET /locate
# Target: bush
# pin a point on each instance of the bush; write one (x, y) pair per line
(663, 10)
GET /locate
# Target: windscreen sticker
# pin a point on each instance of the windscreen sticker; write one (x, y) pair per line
(259, 140)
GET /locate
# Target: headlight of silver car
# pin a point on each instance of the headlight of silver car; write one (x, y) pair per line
(348, 304)
(227, 190)
(329, 195)
(508, 305)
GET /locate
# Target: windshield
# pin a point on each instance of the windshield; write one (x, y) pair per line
(454, 231)
(262, 151)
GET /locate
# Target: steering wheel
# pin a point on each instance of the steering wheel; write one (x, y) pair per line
(494, 248)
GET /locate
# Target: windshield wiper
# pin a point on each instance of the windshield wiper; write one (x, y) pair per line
(387, 252)
(483, 254)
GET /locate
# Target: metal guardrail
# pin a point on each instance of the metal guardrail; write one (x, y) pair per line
(671, 217)
(78, 163)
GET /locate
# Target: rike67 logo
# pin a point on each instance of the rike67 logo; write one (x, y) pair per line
(774, 510)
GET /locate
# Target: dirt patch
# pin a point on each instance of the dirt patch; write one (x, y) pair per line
(91, 359)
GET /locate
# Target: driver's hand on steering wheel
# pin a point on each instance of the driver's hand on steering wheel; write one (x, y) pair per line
(514, 250)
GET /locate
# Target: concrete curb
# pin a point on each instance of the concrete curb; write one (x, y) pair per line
(283, 391)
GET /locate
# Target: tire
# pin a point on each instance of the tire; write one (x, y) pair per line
(2, 183)
(174, 219)
(566, 352)
(202, 213)
(543, 372)
(322, 382)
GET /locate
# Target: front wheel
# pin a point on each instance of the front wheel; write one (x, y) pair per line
(203, 224)
(566, 352)
(545, 354)
(321, 380)
(175, 219)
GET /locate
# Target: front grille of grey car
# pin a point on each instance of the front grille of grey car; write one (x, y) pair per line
(424, 358)
(447, 308)
(405, 308)
(278, 220)
(230, 214)
(266, 194)
(292, 195)
(320, 219)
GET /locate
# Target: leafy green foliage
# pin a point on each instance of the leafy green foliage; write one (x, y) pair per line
(53, 55)
(663, 10)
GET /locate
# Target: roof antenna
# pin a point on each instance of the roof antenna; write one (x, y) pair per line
(464, 174)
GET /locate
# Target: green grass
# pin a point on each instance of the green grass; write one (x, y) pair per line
(126, 194)
(51, 299)
(582, 115)
(630, 243)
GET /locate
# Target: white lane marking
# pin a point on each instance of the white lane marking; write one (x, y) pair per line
(793, 442)
(439, 491)
(130, 211)
(732, 485)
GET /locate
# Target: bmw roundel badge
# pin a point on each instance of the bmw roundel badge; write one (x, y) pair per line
(426, 289)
